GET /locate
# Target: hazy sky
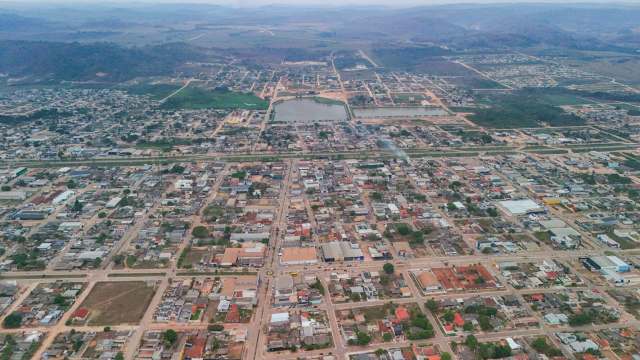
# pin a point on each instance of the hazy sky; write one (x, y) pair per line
(249, 3)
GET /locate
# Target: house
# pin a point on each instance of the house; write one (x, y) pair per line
(80, 315)
(283, 291)
(402, 314)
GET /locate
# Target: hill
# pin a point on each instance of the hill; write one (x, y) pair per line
(56, 61)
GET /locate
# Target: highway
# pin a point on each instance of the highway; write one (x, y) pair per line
(415, 152)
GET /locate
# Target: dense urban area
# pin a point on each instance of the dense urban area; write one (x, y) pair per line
(278, 189)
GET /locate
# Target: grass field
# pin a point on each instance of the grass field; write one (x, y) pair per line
(198, 98)
(156, 91)
(118, 302)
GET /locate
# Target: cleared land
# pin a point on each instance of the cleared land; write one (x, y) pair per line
(118, 302)
(156, 91)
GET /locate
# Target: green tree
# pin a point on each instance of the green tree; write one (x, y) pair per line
(417, 237)
(318, 286)
(501, 351)
(12, 321)
(170, 337)
(77, 206)
(215, 327)
(403, 229)
(471, 342)
(484, 322)
(240, 175)
(177, 169)
(445, 356)
(363, 338)
(71, 184)
(200, 232)
(432, 305)
(118, 259)
(119, 356)
(388, 268)
(448, 316)
(60, 300)
(540, 345)
(468, 326)
(580, 319)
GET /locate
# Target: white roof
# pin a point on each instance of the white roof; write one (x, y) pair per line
(512, 344)
(617, 261)
(520, 207)
(279, 317)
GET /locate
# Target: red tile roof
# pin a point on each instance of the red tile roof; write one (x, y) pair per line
(401, 313)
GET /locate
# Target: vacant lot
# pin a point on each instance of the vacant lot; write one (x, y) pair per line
(118, 302)
(192, 257)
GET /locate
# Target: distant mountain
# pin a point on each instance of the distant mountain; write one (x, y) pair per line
(98, 61)
(468, 27)
(13, 22)
(427, 28)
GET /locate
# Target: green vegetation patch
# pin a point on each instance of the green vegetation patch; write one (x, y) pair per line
(198, 98)
(525, 108)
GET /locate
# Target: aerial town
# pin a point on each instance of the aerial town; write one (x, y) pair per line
(338, 208)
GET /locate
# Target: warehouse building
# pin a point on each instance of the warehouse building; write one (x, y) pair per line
(341, 251)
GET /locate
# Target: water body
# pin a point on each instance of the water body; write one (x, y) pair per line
(309, 111)
(398, 112)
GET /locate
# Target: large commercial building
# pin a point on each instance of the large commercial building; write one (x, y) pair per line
(341, 251)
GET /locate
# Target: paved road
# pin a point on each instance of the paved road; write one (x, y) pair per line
(418, 152)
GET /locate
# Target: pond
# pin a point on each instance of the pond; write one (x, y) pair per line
(398, 112)
(309, 111)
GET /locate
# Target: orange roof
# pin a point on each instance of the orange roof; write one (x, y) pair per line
(537, 297)
(80, 313)
(458, 320)
(401, 313)
(230, 256)
(233, 316)
(428, 279)
(298, 254)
